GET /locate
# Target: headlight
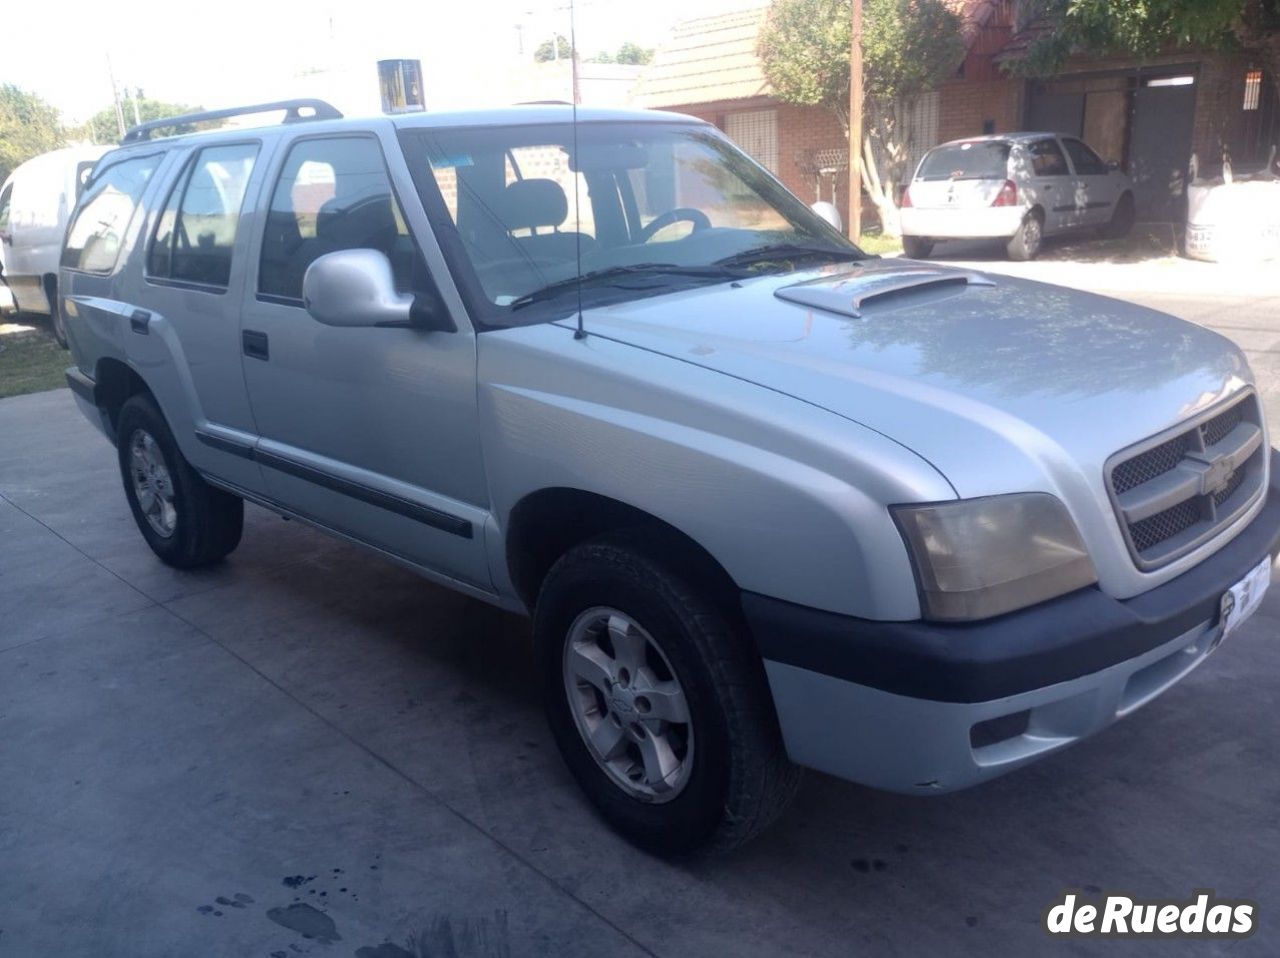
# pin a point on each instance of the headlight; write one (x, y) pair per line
(977, 558)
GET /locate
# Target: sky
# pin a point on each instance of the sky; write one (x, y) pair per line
(245, 51)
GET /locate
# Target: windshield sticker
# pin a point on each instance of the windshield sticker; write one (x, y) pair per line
(449, 161)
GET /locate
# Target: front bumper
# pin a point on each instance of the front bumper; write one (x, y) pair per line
(923, 707)
(943, 223)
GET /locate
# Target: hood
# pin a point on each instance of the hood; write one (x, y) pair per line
(957, 366)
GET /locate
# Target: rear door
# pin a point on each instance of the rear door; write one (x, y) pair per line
(6, 206)
(188, 321)
(1052, 185)
(1095, 187)
(959, 176)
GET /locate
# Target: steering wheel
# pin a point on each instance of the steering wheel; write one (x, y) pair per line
(696, 217)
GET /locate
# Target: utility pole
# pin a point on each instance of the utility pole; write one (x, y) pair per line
(115, 97)
(855, 125)
(137, 95)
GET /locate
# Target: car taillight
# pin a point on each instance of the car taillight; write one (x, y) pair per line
(1008, 195)
(906, 199)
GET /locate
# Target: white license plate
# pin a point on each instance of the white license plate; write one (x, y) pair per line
(1242, 599)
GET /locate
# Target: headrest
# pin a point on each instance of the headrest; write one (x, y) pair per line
(532, 203)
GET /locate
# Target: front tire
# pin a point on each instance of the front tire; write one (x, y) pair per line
(1025, 244)
(658, 705)
(916, 247)
(186, 522)
(1122, 218)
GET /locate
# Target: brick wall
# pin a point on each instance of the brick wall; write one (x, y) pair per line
(966, 106)
(801, 129)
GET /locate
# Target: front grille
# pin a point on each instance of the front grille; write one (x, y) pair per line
(1177, 490)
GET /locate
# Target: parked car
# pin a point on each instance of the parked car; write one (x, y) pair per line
(35, 202)
(1018, 187)
(769, 501)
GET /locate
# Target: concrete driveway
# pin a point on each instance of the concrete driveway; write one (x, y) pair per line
(308, 750)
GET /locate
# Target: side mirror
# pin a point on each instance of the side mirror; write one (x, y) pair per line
(1113, 166)
(828, 212)
(356, 287)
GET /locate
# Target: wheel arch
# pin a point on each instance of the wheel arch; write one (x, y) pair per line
(115, 381)
(545, 524)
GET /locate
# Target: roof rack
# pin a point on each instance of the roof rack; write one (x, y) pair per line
(320, 111)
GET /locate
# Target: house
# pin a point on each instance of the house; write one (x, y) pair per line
(1147, 115)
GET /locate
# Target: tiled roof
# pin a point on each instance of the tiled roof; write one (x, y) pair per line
(1019, 46)
(707, 59)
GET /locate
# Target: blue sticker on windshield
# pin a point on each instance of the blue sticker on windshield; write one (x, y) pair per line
(450, 161)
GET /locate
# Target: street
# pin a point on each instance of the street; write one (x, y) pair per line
(308, 749)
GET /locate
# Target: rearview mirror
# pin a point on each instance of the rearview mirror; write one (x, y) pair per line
(356, 287)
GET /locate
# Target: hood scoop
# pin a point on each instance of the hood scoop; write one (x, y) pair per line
(848, 293)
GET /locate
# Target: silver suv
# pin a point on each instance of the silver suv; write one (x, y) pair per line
(770, 502)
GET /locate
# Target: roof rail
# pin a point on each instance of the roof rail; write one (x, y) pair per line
(320, 111)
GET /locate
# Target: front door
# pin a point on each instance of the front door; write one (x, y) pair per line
(372, 432)
(1096, 189)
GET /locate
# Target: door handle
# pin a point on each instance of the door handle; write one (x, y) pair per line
(255, 344)
(140, 322)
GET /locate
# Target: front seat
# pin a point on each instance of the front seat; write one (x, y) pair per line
(540, 204)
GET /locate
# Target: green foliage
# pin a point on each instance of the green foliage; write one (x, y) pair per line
(546, 52)
(29, 126)
(908, 47)
(102, 126)
(1143, 27)
(628, 53)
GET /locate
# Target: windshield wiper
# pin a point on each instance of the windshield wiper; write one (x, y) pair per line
(598, 277)
(782, 251)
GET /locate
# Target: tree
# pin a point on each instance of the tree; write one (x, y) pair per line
(546, 52)
(29, 126)
(102, 126)
(634, 53)
(628, 53)
(909, 48)
(1148, 27)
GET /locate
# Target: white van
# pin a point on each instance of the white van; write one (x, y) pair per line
(35, 203)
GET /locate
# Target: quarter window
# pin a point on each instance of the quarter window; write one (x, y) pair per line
(98, 229)
(1086, 161)
(196, 233)
(333, 194)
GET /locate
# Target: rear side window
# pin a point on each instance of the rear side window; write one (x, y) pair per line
(1047, 158)
(4, 208)
(333, 194)
(196, 233)
(976, 160)
(1087, 162)
(101, 220)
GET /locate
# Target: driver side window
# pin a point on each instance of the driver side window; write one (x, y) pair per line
(332, 194)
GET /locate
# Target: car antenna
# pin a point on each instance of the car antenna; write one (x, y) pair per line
(578, 333)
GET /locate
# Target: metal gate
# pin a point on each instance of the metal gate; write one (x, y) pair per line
(1160, 149)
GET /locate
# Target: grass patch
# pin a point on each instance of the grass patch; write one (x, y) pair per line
(30, 361)
(879, 244)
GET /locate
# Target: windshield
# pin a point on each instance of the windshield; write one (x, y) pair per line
(660, 207)
(981, 160)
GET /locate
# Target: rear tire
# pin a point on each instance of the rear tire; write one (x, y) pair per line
(1122, 218)
(916, 247)
(57, 323)
(729, 776)
(1025, 244)
(186, 522)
